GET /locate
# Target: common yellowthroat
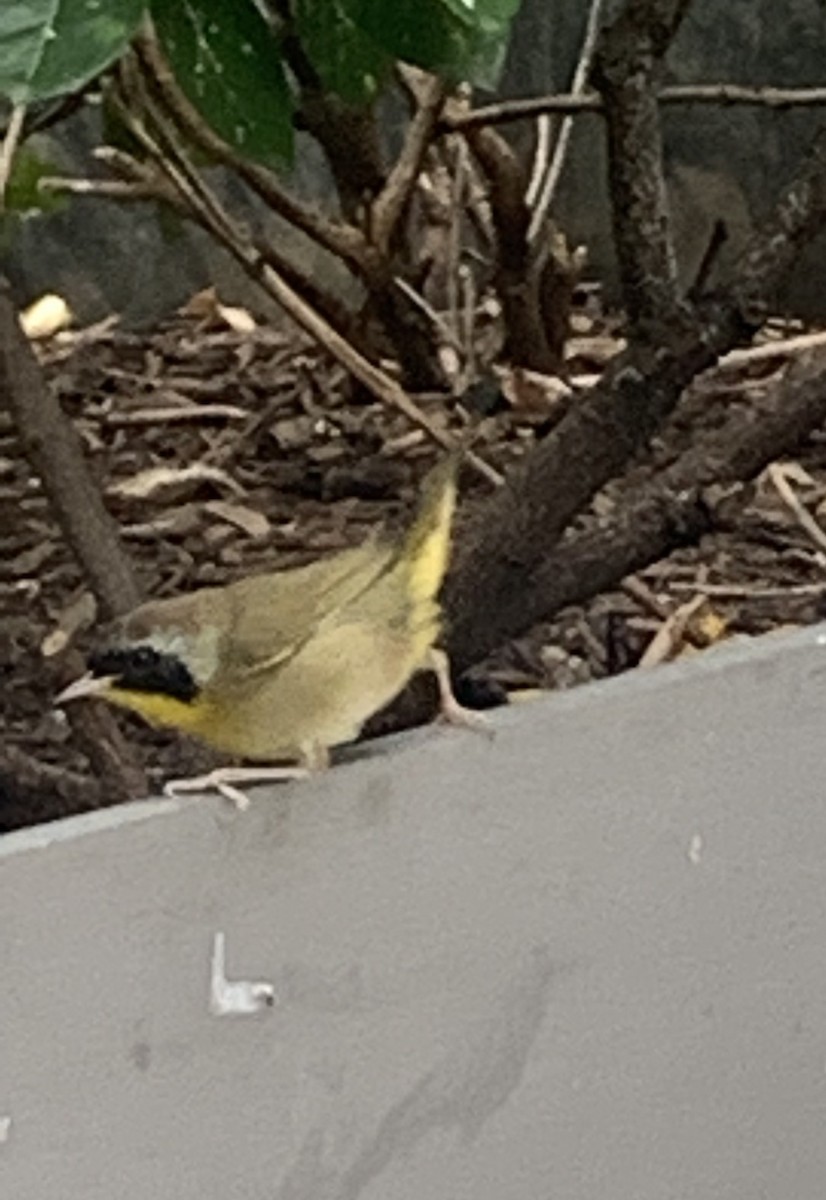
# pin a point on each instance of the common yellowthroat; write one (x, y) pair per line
(281, 667)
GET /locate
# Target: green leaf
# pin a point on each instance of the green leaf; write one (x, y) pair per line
(477, 12)
(347, 60)
(52, 47)
(462, 40)
(23, 194)
(228, 62)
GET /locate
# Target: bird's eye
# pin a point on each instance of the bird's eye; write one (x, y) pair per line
(143, 656)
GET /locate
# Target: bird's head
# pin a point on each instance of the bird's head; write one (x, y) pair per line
(154, 681)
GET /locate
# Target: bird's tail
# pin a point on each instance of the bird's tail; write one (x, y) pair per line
(426, 546)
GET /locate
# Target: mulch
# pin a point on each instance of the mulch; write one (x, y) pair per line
(224, 452)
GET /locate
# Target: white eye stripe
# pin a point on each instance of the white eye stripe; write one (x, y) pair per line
(199, 654)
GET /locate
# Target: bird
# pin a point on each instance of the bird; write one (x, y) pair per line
(284, 666)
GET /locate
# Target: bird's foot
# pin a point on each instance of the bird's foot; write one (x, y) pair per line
(450, 710)
(224, 779)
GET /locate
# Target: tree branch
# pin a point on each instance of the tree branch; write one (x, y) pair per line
(725, 94)
(517, 285)
(8, 148)
(626, 71)
(49, 441)
(391, 203)
(672, 510)
(521, 525)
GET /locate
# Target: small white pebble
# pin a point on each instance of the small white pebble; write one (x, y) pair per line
(235, 997)
(695, 850)
(5, 1129)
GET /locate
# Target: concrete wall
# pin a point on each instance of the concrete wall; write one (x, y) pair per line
(585, 961)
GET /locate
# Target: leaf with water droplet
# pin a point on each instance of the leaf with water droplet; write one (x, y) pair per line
(228, 61)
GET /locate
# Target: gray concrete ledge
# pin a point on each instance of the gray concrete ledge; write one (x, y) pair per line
(587, 962)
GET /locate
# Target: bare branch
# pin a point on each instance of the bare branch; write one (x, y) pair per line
(51, 444)
(626, 71)
(391, 203)
(525, 108)
(49, 441)
(516, 285)
(547, 188)
(8, 148)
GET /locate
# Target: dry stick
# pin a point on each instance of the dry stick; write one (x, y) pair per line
(672, 633)
(526, 340)
(718, 239)
(53, 448)
(801, 514)
(766, 351)
(541, 154)
(450, 337)
(713, 93)
(391, 203)
(203, 202)
(454, 240)
(547, 190)
(8, 148)
(732, 591)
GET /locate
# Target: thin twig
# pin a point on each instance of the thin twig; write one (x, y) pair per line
(391, 203)
(730, 591)
(8, 148)
(578, 84)
(766, 351)
(176, 416)
(800, 513)
(718, 239)
(458, 191)
(540, 158)
(634, 587)
(564, 102)
(450, 337)
(671, 634)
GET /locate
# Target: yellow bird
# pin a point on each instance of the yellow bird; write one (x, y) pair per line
(284, 666)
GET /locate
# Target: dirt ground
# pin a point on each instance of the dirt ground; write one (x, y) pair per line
(223, 453)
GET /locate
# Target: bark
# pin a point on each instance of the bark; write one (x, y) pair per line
(627, 72)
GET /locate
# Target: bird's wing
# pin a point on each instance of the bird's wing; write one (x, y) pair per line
(271, 617)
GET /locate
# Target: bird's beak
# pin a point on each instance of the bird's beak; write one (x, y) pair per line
(87, 685)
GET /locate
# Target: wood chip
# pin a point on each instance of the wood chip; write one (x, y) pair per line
(251, 522)
(77, 615)
(162, 481)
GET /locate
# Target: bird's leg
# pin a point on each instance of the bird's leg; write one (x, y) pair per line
(224, 779)
(314, 757)
(450, 709)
